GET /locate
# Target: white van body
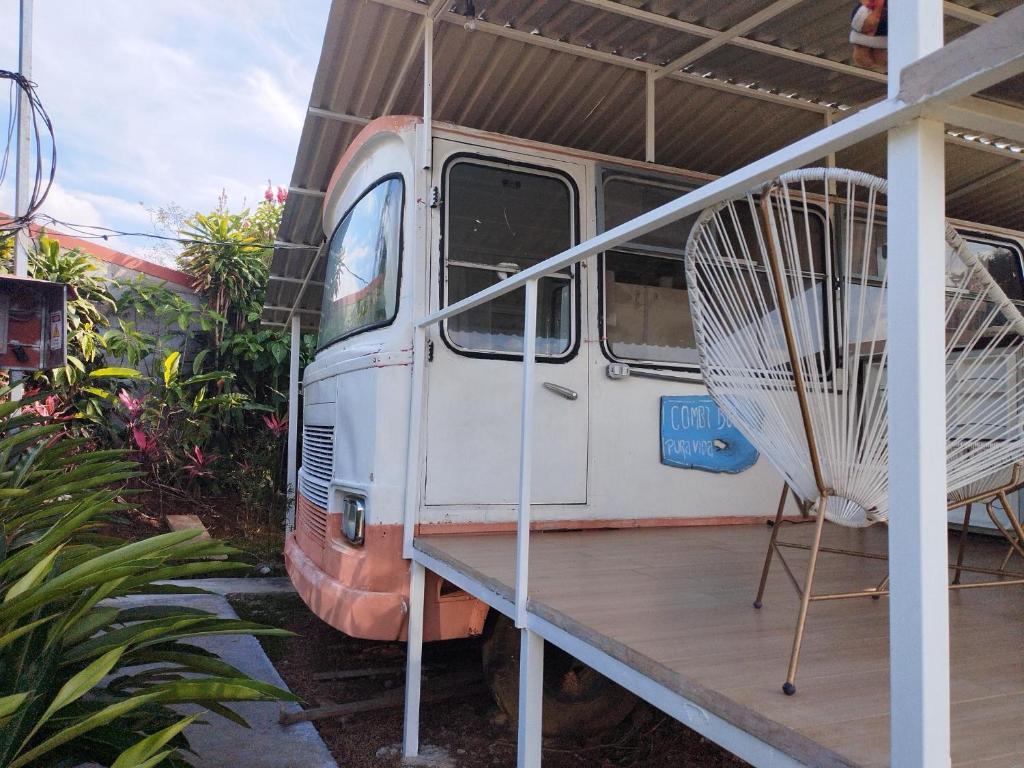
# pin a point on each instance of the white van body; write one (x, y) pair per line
(603, 370)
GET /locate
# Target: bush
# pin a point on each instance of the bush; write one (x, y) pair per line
(82, 677)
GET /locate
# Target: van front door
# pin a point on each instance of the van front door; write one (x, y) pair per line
(500, 214)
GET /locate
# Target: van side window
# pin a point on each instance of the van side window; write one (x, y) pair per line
(500, 219)
(1003, 259)
(361, 282)
(646, 303)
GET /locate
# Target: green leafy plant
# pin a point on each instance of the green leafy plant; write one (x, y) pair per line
(84, 674)
(226, 261)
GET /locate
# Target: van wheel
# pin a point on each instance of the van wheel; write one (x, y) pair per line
(578, 701)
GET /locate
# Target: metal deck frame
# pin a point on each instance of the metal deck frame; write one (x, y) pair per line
(708, 724)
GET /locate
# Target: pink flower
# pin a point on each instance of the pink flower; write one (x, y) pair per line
(143, 442)
(200, 464)
(131, 404)
(277, 426)
(268, 194)
(282, 194)
(45, 409)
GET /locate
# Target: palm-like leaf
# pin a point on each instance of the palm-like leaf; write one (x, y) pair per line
(84, 677)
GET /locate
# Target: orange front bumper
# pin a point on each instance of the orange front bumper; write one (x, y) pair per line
(364, 591)
(356, 612)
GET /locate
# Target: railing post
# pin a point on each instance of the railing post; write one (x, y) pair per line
(412, 456)
(414, 661)
(531, 699)
(526, 453)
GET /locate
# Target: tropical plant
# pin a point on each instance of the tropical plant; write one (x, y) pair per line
(170, 418)
(228, 265)
(89, 670)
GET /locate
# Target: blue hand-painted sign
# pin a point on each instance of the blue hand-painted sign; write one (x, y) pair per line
(695, 434)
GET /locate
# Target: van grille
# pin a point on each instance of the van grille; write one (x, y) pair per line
(317, 463)
(312, 520)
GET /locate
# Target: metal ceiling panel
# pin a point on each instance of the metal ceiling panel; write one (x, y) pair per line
(571, 73)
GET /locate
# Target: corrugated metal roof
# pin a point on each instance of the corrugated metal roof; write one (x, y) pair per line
(571, 72)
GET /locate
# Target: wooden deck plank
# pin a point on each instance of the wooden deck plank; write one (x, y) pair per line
(676, 605)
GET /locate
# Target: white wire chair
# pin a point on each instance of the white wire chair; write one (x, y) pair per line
(788, 288)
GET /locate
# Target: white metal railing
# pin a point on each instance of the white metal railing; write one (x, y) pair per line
(874, 119)
(868, 122)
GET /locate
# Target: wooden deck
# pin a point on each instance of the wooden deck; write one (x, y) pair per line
(675, 604)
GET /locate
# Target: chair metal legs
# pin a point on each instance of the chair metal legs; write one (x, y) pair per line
(789, 687)
(771, 545)
(1014, 535)
(962, 546)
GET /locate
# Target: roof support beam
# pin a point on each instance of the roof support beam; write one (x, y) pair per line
(305, 283)
(305, 191)
(755, 45)
(752, 93)
(957, 139)
(283, 279)
(284, 245)
(987, 117)
(956, 11)
(426, 153)
(339, 117)
(649, 117)
(722, 38)
(292, 310)
(981, 58)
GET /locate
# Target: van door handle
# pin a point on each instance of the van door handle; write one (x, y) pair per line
(565, 392)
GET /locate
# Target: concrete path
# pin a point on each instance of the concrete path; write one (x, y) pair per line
(266, 744)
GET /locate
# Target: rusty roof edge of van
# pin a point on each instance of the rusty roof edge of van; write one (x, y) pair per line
(385, 124)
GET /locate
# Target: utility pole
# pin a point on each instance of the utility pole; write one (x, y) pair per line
(24, 140)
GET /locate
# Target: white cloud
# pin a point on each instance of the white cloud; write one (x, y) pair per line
(68, 206)
(168, 100)
(267, 91)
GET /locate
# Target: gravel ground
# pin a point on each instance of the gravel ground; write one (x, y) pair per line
(468, 732)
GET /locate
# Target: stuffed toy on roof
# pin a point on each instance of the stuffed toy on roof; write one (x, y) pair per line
(869, 33)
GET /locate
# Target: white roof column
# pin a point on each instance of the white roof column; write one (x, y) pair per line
(919, 602)
(293, 421)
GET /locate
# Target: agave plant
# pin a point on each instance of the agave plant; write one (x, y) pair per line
(85, 677)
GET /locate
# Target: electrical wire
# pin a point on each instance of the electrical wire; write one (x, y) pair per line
(42, 180)
(96, 232)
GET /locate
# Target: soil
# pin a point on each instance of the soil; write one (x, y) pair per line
(471, 730)
(260, 543)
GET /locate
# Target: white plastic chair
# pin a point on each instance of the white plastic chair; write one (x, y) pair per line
(788, 287)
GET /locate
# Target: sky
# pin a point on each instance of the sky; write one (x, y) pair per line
(166, 101)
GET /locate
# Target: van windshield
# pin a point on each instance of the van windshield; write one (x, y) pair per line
(361, 283)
